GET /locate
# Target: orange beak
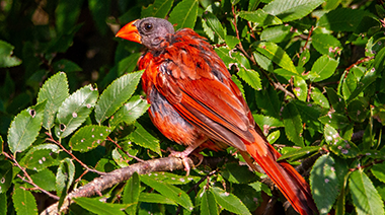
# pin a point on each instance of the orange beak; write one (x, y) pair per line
(130, 32)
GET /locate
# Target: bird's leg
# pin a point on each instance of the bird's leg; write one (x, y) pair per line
(183, 155)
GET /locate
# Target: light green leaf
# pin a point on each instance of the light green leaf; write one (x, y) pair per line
(378, 171)
(131, 193)
(216, 26)
(326, 44)
(160, 9)
(24, 202)
(115, 95)
(130, 111)
(40, 157)
(209, 204)
(300, 88)
(260, 17)
(277, 55)
(342, 19)
(277, 34)
(141, 137)
(6, 58)
(74, 110)
(289, 10)
(251, 77)
(300, 153)
(365, 196)
(169, 191)
(324, 182)
(55, 91)
(319, 98)
(323, 68)
(64, 176)
(89, 137)
(25, 128)
(170, 178)
(229, 201)
(155, 198)
(184, 14)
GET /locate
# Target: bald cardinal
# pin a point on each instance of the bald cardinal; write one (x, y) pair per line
(194, 102)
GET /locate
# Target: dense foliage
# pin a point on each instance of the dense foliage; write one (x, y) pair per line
(312, 72)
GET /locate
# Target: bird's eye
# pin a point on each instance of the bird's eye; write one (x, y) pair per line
(148, 26)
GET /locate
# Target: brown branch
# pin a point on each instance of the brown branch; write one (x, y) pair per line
(356, 63)
(110, 179)
(308, 37)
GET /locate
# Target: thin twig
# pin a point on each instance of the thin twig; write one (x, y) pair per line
(128, 154)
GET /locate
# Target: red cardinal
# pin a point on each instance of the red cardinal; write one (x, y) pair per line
(194, 102)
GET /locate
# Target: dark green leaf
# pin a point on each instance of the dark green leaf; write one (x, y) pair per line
(260, 18)
(67, 13)
(130, 111)
(365, 196)
(300, 88)
(319, 98)
(290, 10)
(170, 178)
(342, 19)
(66, 66)
(89, 137)
(3, 203)
(100, 10)
(74, 110)
(98, 207)
(293, 124)
(64, 176)
(6, 58)
(184, 14)
(117, 93)
(131, 193)
(171, 192)
(40, 157)
(229, 201)
(25, 128)
(238, 174)
(155, 198)
(378, 171)
(216, 26)
(55, 91)
(369, 77)
(141, 137)
(45, 179)
(277, 34)
(6, 174)
(160, 9)
(208, 204)
(262, 120)
(24, 202)
(324, 183)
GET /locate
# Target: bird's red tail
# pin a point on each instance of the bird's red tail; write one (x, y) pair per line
(285, 177)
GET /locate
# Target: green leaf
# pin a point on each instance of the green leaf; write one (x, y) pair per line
(331, 135)
(155, 198)
(319, 98)
(262, 120)
(184, 14)
(277, 34)
(231, 41)
(290, 10)
(130, 111)
(131, 193)
(141, 137)
(268, 102)
(55, 91)
(342, 19)
(67, 66)
(160, 9)
(300, 153)
(378, 171)
(273, 137)
(25, 128)
(293, 124)
(114, 96)
(260, 17)
(3, 203)
(208, 204)
(323, 68)
(326, 44)
(99, 207)
(229, 201)
(300, 88)
(126, 65)
(169, 191)
(238, 174)
(216, 26)
(6, 175)
(324, 183)
(277, 55)
(369, 77)
(64, 176)
(100, 10)
(251, 77)
(365, 196)
(170, 178)
(24, 202)
(74, 110)
(40, 157)
(67, 13)
(6, 58)
(45, 179)
(89, 137)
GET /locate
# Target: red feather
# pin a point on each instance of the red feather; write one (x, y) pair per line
(194, 102)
